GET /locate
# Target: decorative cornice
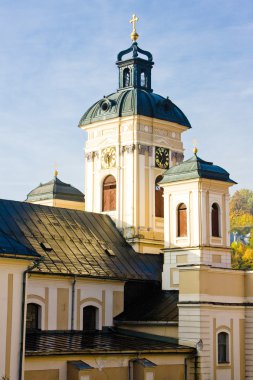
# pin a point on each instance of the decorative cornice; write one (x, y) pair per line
(142, 149)
(90, 155)
(177, 157)
(128, 148)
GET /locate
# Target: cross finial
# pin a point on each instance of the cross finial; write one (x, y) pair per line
(134, 35)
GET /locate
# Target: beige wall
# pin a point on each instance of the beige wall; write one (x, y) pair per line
(113, 367)
(206, 319)
(47, 374)
(164, 372)
(63, 302)
(249, 285)
(54, 295)
(62, 203)
(11, 280)
(211, 284)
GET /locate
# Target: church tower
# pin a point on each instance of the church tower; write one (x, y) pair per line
(134, 135)
(196, 210)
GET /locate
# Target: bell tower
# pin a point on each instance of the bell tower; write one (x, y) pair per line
(134, 135)
(196, 213)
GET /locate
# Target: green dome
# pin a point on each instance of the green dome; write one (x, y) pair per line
(55, 189)
(135, 95)
(193, 168)
(134, 101)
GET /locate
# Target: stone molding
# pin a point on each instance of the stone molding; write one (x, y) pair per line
(177, 157)
(142, 149)
(128, 148)
(90, 155)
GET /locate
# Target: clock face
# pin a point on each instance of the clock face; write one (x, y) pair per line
(162, 158)
(108, 157)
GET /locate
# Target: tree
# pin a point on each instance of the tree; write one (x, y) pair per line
(241, 211)
(242, 202)
(241, 221)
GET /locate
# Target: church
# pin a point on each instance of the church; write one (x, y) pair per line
(131, 280)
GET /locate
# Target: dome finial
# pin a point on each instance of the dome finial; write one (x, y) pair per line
(56, 170)
(195, 149)
(134, 35)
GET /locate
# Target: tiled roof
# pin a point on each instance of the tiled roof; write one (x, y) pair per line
(75, 242)
(193, 168)
(158, 307)
(55, 189)
(46, 343)
(10, 246)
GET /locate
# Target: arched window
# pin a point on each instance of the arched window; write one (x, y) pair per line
(223, 347)
(143, 78)
(33, 316)
(215, 220)
(126, 78)
(182, 220)
(90, 318)
(159, 200)
(109, 194)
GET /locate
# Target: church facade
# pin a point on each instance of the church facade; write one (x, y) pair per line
(139, 286)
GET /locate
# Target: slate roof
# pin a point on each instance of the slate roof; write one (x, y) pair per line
(75, 242)
(55, 189)
(135, 101)
(45, 343)
(11, 247)
(159, 307)
(195, 167)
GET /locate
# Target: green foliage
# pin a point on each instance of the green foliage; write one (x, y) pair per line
(241, 221)
(242, 202)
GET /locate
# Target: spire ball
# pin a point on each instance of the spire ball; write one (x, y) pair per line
(134, 35)
(195, 150)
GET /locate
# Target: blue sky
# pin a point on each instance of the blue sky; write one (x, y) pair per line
(58, 57)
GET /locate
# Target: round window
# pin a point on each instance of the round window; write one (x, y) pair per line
(105, 106)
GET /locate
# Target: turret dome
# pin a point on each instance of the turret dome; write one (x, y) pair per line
(55, 189)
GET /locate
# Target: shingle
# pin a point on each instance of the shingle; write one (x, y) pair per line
(43, 343)
(80, 242)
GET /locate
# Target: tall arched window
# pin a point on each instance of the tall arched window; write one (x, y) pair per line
(182, 220)
(215, 220)
(143, 78)
(126, 77)
(33, 316)
(159, 200)
(90, 318)
(109, 194)
(223, 347)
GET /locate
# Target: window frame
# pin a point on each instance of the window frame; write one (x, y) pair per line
(38, 316)
(161, 197)
(225, 361)
(143, 78)
(103, 194)
(126, 77)
(96, 309)
(178, 209)
(218, 220)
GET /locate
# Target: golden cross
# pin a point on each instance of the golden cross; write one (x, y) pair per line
(133, 20)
